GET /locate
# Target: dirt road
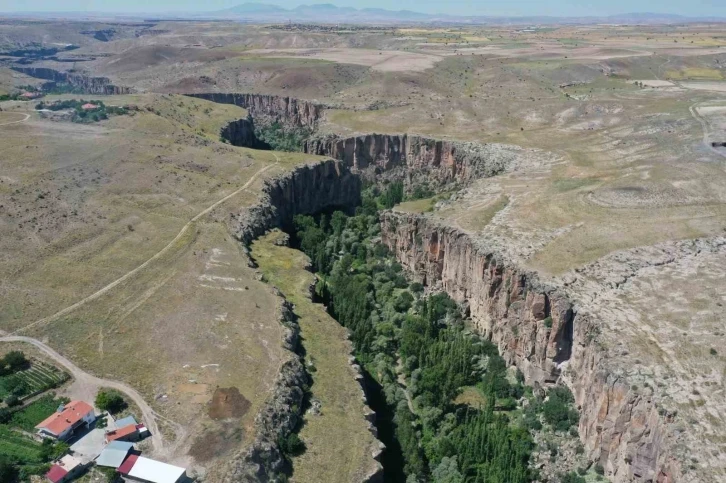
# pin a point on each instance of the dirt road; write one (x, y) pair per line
(93, 383)
(88, 384)
(27, 116)
(704, 125)
(157, 255)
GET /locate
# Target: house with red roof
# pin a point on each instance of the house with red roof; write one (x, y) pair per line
(126, 433)
(65, 469)
(69, 417)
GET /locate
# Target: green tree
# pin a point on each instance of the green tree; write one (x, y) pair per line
(8, 471)
(111, 401)
(447, 471)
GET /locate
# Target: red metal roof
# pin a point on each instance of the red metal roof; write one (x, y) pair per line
(56, 473)
(73, 412)
(120, 433)
(128, 464)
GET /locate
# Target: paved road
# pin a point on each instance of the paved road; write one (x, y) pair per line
(149, 416)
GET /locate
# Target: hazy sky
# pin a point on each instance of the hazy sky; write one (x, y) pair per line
(470, 7)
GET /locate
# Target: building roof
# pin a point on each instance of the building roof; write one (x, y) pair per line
(56, 473)
(69, 462)
(155, 471)
(66, 417)
(128, 464)
(120, 433)
(120, 423)
(89, 106)
(114, 454)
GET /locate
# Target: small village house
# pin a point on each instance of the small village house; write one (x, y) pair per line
(147, 470)
(66, 420)
(114, 454)
(65, 469)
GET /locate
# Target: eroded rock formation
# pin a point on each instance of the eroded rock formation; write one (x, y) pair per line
(287, 110)
(242, 133)
(538, 329)
(90, 85)
(417, 159)
(307, 189)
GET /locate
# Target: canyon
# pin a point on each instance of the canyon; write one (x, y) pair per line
(87, 84)
(536, 325)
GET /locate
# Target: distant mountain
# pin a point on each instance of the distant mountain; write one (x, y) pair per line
(255, 9)
(327, 13)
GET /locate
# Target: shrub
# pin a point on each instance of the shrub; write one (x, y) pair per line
(572, 477)
(16, 360)
(110, 401)
(292, 445)
(599, 469)
(557, 410)
(713, 351)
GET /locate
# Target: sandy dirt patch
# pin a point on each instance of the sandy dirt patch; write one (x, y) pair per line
(705, 86)
(385, 61)
(653, 83)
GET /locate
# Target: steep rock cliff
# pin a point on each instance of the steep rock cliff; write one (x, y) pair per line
(538, 329)
(286, 110)
(417, 159)
(306, 189)
(242, 133)
(90, 85)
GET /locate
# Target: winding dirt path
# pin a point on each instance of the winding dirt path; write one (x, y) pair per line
(156, 256)
(92, 383)
(86, 379)
(704, 125)
(27, 116)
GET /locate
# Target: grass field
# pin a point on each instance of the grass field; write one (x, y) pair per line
(339, 445)
(20, 447)
(35, 412)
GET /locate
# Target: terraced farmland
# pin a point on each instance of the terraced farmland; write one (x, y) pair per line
(19, 447)
(39, 377)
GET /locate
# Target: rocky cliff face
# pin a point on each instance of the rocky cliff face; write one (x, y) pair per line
(417, 159)
(537, 328)
(242, 133)
(305, 190)
(90, 85)
(286, 110)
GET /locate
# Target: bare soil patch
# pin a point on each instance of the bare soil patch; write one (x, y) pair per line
(228, 403)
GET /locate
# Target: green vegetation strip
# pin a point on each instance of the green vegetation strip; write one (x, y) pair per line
(418, 355)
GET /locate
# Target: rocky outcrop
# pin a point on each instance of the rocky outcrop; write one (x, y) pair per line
(264, 461)
(307, 189)
(417, 159)
(89, 85)
(537, 328)
(242, 133)
(288, 111)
